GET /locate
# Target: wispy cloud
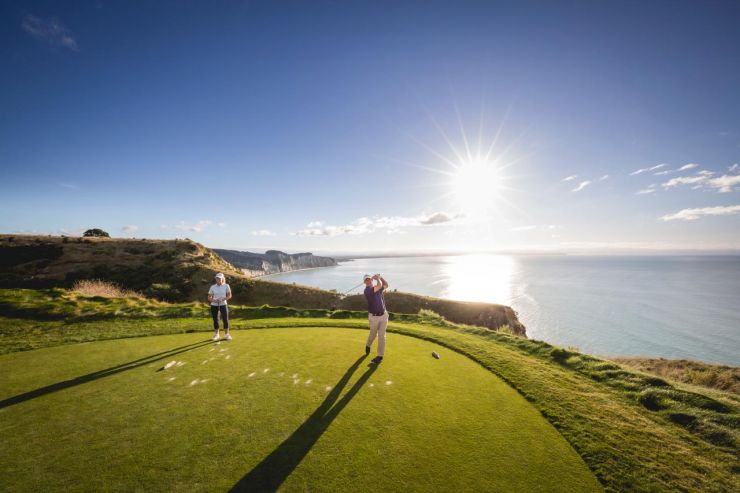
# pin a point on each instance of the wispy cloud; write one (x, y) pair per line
(70, 186)
(389, 224)
(694, 214)
(186, 226)
(688, 166)
(582, 185)
(263, 232)
(725, 183)
(604, 177)
(50, 31)
(647, 190)
(130, 228)
(734, 168)
(644, 170)
(706, 179)
(570, 178)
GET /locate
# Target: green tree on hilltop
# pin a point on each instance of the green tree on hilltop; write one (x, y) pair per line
(96, 232)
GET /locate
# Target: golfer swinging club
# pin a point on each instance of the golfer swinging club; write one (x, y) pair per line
(377, 314)
(217, 296)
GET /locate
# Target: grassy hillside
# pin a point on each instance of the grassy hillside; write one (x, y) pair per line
(719, 377)
(635, 432)
(182, 270)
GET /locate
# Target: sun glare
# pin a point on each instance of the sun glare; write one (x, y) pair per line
(476, 186)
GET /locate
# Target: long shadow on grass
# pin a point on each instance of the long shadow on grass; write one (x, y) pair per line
(99, 374)
(274, 469)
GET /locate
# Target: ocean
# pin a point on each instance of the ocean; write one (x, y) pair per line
(660, 306)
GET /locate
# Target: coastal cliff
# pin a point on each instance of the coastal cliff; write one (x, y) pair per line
(272, 261)
(182, 270)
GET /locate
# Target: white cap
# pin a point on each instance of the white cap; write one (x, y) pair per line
(221, 275)
(366, 277)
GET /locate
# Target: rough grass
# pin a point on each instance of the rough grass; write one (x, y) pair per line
(96, 287)
(636, 432)
(257, 414)
(720, 377)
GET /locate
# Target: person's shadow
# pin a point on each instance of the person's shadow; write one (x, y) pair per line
(274, 469)
(17, 399)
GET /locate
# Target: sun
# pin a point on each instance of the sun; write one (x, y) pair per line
(476, 186)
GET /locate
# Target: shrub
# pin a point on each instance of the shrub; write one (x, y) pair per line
(98, 288)
(96, 232)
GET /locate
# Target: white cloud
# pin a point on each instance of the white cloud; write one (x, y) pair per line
(704, 179)
(264, 232)
(724, 183)
(646, 191)
(71, 186)
(688, 166)
(221, 225)
(694, 214)
(50, 31)
(196, 227)
(523, 228)
(735, 167)
(643, 170)
(571, 177)
(363, 225)
(582, 185)
(130, 228)
(666, 172)
(603, 177)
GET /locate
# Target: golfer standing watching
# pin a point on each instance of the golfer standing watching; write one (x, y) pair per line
(218, 296)
(377, 313)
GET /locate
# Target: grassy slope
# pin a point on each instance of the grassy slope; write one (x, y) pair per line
(636, 432)
(442, 425)
(182, 270)
(720, 377)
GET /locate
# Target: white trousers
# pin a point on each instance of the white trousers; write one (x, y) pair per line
(378, 324)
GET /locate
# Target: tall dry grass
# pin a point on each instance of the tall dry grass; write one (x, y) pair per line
(96, 287)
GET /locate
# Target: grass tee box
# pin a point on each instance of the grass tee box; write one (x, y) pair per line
(289, 409)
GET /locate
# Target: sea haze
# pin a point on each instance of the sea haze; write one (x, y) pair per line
(670, 306)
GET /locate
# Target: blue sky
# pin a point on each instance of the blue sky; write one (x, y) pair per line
(342, 126)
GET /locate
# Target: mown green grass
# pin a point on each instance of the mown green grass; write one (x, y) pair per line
(412, 424)
(635, 431)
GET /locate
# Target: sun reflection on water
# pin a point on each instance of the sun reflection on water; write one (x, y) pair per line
(480, 278)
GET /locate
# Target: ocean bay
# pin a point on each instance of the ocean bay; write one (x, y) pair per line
(673, 306)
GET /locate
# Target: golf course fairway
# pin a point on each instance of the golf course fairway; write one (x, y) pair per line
(292, 409)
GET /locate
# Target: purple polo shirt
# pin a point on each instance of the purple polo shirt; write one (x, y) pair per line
(375, 301)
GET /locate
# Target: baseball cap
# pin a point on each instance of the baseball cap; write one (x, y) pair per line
(366, 277)
(220, 275)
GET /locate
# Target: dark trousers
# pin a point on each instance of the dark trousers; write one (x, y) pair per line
(224, 316)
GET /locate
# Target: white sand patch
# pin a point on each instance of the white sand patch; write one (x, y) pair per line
(170, 379)
(296, 381)
(204, 380)
(228, 356)
(252, 374)
(194, 382)
(265, 370)
(389, 382)
(169, 365)
(372, 385)
(308, 382)
(327, 388)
